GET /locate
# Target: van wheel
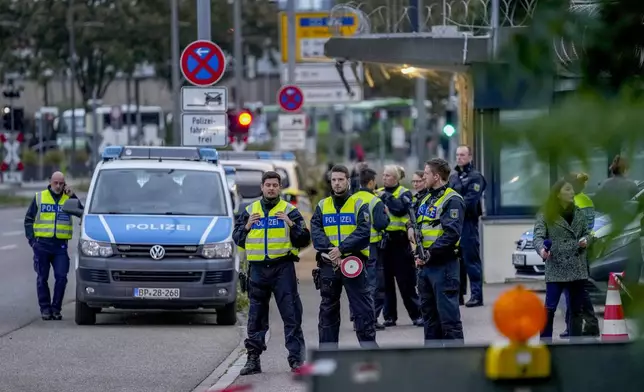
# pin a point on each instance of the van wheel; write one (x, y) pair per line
(228, 314)
(84, 314)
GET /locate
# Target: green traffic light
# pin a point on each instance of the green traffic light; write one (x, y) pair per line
(449, 130)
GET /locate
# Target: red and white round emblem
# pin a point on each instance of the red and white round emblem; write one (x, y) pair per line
(351, 267)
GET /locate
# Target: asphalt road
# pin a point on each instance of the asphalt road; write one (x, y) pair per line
(124, 352)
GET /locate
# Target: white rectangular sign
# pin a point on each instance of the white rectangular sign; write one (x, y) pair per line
(204, 99)
(315, 73)
(204, 129)
(330, 94)
(313, 49)
(293, 122)
(290, 140)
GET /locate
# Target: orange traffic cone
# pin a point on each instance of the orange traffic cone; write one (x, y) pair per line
(614, 328)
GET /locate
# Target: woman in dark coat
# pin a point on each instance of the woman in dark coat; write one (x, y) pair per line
(560, 238)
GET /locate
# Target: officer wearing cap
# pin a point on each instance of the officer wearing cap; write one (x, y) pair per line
(272, 231)
(341, 227)
(48, 229)
(440, 218)
(379, 222)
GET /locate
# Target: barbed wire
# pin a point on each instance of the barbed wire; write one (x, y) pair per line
(397, 16)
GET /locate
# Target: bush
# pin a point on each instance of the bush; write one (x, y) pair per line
(54, 158)
(29, 157)
(242, 298)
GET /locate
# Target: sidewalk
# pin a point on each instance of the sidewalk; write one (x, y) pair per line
(276, 376)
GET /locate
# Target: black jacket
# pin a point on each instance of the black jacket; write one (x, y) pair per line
(470, 184)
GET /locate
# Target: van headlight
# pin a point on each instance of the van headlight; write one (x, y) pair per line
(95, 249)
(222, 250)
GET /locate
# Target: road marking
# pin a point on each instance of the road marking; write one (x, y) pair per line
(12, 233)
(8, 247)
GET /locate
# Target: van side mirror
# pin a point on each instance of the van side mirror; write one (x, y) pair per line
(73, 207)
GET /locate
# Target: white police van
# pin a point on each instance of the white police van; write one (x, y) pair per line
(156, 234)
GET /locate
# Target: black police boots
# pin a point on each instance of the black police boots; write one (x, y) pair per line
(252, 366)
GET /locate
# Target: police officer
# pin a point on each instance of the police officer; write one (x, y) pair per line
(470, 184)
(398, 260)
(48, 230)
(341, 227)
(420, 191)
(379, 222)
(272, 231)
(440, 218)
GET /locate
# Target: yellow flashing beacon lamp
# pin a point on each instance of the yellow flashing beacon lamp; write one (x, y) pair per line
(519, 314)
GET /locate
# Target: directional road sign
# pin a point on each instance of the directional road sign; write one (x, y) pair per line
(204, 129)
(290, 98)
(204, 99)
(203, 63)
(312, 30)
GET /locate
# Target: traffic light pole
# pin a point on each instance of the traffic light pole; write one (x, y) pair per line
(421, 96)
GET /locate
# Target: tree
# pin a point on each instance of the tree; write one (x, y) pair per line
(259, 19)
(110, 36)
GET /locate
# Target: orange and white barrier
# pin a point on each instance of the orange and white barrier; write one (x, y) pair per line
(614, 328)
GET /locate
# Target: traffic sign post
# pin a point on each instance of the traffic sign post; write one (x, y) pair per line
(204, 121)
(204, 129)
(290, 98)
(204, 99)
(11, 166)
(292, 131)
(203, 63)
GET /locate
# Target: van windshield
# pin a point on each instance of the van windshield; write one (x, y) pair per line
(158, 192)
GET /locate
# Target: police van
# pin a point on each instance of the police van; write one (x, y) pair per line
(156, 233)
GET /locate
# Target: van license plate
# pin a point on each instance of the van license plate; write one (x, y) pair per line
(157, 293)
(518, 259)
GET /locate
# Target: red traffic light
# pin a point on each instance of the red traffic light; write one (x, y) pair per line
(244, 119)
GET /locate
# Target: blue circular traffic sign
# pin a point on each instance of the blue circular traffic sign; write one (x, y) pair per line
(203, 63)
(290, 98)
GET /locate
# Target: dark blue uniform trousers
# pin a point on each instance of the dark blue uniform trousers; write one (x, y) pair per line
(375, 279)
(438, 286)
(46, 257)
(470, 251)
(278, 279)
(360, 305)
(399, 268)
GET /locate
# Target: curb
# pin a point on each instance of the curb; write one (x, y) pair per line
(227, 372)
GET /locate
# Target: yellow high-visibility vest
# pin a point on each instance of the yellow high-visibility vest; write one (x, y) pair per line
(372, 200)
(269, 238)
(339, 225)
(50, 219)
(587, 207)
(397, 223)
(429, 217)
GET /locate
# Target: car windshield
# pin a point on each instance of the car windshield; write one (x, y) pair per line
(284, 175)
(158, 192)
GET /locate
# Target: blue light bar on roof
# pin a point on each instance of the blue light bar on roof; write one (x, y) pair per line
(286, 156)
(209, 154)
(112, 152)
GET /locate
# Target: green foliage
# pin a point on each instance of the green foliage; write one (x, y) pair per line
(114, 36)
(14, 201)
(606, 112)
